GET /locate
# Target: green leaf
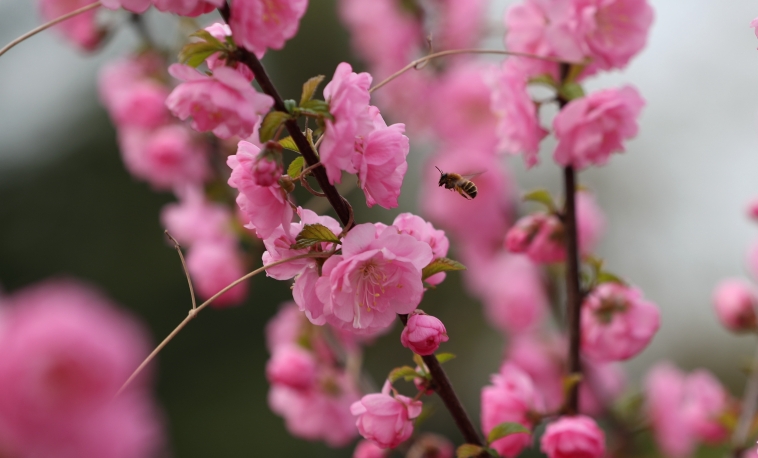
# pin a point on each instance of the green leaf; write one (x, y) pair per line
(541, 196)
(194, 54)
(468, 451)
(441, 265)
(295, 167)
(290, 105)
(506, 429)
(289, 143)
(444, 357)
(607, 277)
(419, 360)
(316, 107)
(271, 123)
(571, 91)
(313, 234)
(207, 37)
(405, 372)
(309, 88)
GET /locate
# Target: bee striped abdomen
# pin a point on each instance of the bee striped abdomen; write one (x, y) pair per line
(469, 188)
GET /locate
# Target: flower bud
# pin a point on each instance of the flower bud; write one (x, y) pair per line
(423, 333)
(292, 366)
(735, 302)
(573, 437)
(268, 165)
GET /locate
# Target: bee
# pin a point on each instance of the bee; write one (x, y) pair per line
(459, 183)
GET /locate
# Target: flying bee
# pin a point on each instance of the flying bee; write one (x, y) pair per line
(459, 183)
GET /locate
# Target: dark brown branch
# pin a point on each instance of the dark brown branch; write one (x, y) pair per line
(442, 384)
(573, 287)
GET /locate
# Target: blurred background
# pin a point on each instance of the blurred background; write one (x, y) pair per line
(675, 204)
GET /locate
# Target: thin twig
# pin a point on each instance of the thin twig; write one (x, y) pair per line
(47, 25)
(194, 311)
(749, 404)
(451, 52)
(184, 266)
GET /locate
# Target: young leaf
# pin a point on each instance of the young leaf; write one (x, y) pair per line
(295, 167)
(313, 234)
(444, 357)
(506, 429)
(468, 451)
(316, 107)
(309, 88)
(405, 372)
(290, 105)
(271, 123)
(441, 265)
(571, 91)
(541, 196)
(289, 143)
(419, 362)
(194, 54)
(607, 277)
(207, 37)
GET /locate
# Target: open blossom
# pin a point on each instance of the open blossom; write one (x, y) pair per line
(616, 322)
(510, 398)
(348, 97)
(292, 366)
(380, 162)
(167, 158)
(194, 218)
(423, 333)
(518, 126)
(384, 419)
(65, 351)
(213, 265)
(259, 25)
(684, 409)
(190, 8)
(423, 231)
(459, 25)
(137, 104)
(264, 207)
(224, 103)
(543, 359)
(81, 29)
(377, 276)
(573, 437)
(591, 128)
(735, 301)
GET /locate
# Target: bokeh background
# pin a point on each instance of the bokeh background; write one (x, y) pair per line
(675, 204)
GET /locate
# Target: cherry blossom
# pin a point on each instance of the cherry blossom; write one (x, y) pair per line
(81, 29)
(384, 419)
(259, 25)
(573, 437)
(423, 333)
(735, 302)
(213, 265)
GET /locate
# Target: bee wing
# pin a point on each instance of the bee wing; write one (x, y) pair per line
(472, 175)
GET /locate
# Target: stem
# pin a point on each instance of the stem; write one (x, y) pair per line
(194, 311)
(310, 156)
(47, 25)
(749, 404)
(573, 288)
(451, 52)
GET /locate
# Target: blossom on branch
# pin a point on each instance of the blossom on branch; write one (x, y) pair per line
(423, 333)
(259, 25)
(386, 419)
(573, 437)
(82, 30)
(213, 265)
(735, 301)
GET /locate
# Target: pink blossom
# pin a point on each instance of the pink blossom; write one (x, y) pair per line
(292, 366)
(510, 398)
(190, 8)
(518, 126)
(304, 411)
(543, 359)
(516, 305)
(377, 276)
(754, 25)
(601, 385)
(407, 223)
(135, 6)
(617, 323)
(194, 218)
(117, 78)
(384, 419)
(167, 158)
(80, 29)
(264, 207)
(64, 352)
(348, 99)
(224, 103)
(684, 409)
(591, 128)
(381, 163)
(284, 328)
(735, 301)
(368, 449)
(259, 25)
(221, 31)
(540, 236)
(590, 222)
(267, 169)
(752, 210)
(213, 266)
(459, 25)
(460, 108)
(423, 333)
(141, 104)
(573, 437)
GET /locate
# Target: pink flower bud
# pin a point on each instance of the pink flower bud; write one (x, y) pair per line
(735, 302)
(573, 437)
(368, 449)
(268, 165)
(384, 419)
(423, 333)
(754, 24)
(292, 366)
(617, 323)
